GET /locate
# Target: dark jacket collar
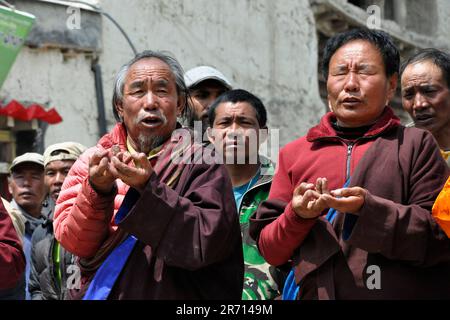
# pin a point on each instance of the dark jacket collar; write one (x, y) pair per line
(324, 129)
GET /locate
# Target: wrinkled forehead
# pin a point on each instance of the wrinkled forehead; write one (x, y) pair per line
(240, 108)
(150, 67)
(425, 70)
(362, 48)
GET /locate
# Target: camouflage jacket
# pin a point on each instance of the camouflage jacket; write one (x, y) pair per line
(261, 280)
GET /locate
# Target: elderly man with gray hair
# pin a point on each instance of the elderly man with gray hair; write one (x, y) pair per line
(143, 225)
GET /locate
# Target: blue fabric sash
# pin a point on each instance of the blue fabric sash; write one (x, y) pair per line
(108, 273)
(291, 288)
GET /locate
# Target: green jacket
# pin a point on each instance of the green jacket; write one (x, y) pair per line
(261, 280)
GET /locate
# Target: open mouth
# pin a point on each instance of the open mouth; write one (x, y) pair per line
(351, 101)
(152, 121)
(423, 119)
(234, 143)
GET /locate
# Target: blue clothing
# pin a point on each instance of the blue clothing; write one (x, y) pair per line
(108, 273)
(241, 190)
(27, 252)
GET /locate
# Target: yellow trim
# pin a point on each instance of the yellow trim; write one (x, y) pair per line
(445, 154)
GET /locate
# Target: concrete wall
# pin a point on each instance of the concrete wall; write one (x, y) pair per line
(443, 26)
(264, 46)
(47, 78)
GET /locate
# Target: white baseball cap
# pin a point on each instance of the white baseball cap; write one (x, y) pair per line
(198, 74)
(63, 151)
(30, 157)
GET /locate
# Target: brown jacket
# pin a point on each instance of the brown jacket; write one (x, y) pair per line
(195, 232)
(393, 249)
(189, 240)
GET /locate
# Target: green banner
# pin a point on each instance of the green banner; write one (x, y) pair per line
(14, 28)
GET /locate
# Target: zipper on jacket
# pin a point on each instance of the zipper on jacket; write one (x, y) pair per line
(349, 158)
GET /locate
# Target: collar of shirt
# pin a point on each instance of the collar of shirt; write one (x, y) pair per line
(31, 222)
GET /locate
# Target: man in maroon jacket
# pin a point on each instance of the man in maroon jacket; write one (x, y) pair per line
(376, 179)
(12, 259)
(175, 233)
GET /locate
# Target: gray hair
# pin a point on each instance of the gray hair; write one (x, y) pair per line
(174, 66)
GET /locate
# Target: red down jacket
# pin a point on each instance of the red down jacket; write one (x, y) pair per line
(76, 232)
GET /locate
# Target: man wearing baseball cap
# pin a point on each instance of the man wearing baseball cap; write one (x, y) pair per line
(58, 159)
(26, 184)
(205, 85)
(53, 268)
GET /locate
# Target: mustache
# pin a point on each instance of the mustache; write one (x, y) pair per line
(145, 114)
(29, 193)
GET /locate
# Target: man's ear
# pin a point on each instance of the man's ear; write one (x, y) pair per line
(330, 107)
(263, 134)
(119, 109)
(9, 185)
(392, 83)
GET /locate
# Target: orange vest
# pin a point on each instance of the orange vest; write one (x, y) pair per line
(441, 208)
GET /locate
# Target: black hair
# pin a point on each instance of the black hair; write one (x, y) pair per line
(439, 58)
(240, 95)
(380, 39)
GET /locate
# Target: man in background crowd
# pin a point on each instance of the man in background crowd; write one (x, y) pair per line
(425, 81)
(205, 85)
(26, 184)
(53, 269)
(238, 127)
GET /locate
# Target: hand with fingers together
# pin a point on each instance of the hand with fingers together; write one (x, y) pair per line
(100, 176)
(133, 169)
(348, 200)
(310, 200)
(307, 202)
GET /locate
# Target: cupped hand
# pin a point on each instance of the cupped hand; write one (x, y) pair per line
(133, 169)
(100, 176)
